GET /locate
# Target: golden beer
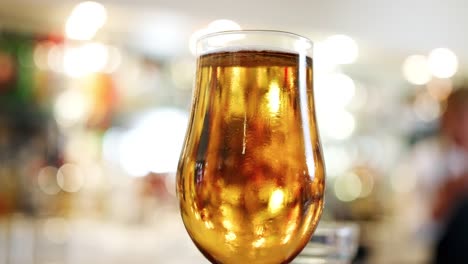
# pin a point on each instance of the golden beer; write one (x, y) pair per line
(251, 177)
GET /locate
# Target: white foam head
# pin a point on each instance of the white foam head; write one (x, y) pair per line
(252, 48)
(254, 40)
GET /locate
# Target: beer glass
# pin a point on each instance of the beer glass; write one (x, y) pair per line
(250, 179)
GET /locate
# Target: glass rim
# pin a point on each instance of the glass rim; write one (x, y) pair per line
(255, 31)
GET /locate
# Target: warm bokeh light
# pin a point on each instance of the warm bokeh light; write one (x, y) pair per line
(85, 20)
(341, 49)
(71, 107)
(96, 55)
(443, 63)
(70, 178)
(73, 62)
(337, 160)
(55, 57)
(154, 143)
(440, 89)
(85, 59)
(416, 70)
(337, 125)
(322, 63)
(367, 183)
(78, 60)
(334, 91)
(47, 180)
(348, 187)
(114, 59)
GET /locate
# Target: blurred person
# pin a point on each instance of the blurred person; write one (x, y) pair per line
(455, 128)
(450, 207)
(427, 184)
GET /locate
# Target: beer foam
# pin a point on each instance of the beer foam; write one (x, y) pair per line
(259, 48)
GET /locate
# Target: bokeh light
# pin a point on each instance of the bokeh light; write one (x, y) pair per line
(77, 60)
(340, 49)
(47, 180)
(367, 182)
(155, 142)
(440, 89)
(337, 125)
(55, 58)
(443, 63)
(333, 91)
(73, 62)
(114, 59)
(71, 107)
(70, 178)
(322, 64)
(337, 160)
(416, 70)
(85, 20)
(348, 187)
(85, 59)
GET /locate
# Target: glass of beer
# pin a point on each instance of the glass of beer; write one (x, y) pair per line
(250, 179)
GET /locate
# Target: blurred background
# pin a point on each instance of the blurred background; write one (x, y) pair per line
(95, 98)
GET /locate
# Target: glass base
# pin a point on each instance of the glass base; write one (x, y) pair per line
(332, 243)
